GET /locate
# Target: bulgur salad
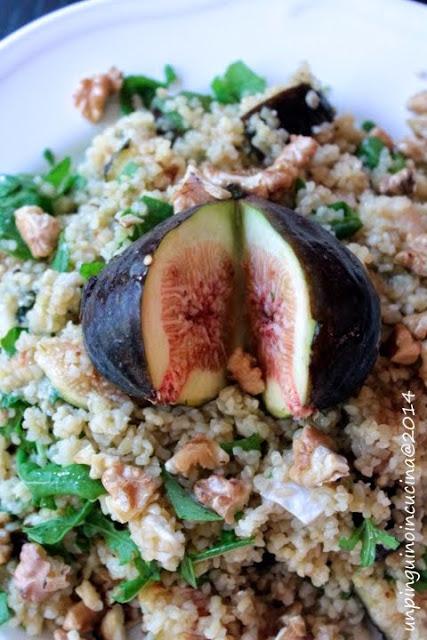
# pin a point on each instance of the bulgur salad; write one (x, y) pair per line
(212, 370)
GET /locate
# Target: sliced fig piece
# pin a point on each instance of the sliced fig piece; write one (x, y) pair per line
(299, 108)
(314, 314)
(158, 320)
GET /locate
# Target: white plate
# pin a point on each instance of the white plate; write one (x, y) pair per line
(370, 52)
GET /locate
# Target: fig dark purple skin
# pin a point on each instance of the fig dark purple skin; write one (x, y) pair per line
(344, 305)
(294, 111)
(110, 314)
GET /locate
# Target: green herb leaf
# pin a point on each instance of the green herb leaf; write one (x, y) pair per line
(61, 259)
(118, 540)
(167, 120)
(8, 341)
(9, 400)
(369, 151)
(54, 480)
(252, 443)
(186, 571)
(49, 156)
(300, 184)
(227, 542)
(368, 125)
(421, 584)
(349, 224)
(14, 425)
(128, 170)
(129, 589)
(398, 162)
(185, 506)
(5, 612)
(370, 536)
(53, 531)
(61, 176)
(157, 211)
(90, 269)
(170, 74)
(144, 87)
(237, 81)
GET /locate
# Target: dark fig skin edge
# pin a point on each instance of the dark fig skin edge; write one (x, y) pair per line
(344, 304)
(293, 112)
(111, 314)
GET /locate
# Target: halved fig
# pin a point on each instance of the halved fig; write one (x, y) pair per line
(299, 108)
(159, 319)
(313, 312)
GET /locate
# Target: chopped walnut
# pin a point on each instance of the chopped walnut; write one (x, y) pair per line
(294, 629)
(37, 575)
(377, 132)
(418, 102)
(80, 618)
(415, 256)
(202, 451)
(131, 490)
(397, 184)
(244, 369)
(113, 624)
(6, 547)
(91, 94)
(417, 324)
(38, 229)
(314, 459)
(226, 497)
(195, 189)
(404, 349)
(415, 148)
(89, 596)
(273, 181)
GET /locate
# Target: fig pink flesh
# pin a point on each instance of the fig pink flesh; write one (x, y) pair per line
(196, 293)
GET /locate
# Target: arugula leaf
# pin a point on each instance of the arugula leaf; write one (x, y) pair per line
(118, 540)
(5, 612)
(14, 424)
(53, 531)
(144, 87)
(89, 269)
(300, 184)
(128, 170)
(61, 176)
(167, 120)
(368, 125)
(398, 162)
(61, 259)
(238, 81)
(349, 224)
(370, 536)
(157, 211)
(227, 542)
(185, 506)
(369, 151)
(10, 400)
(54, 480)
(49, 156)
(8, 341)
(252, 443)
(129, 589)
(186, 571)
(170, 74)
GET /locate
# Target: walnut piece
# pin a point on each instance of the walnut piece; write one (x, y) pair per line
(80, 618)
(415, 148)
(275, 179)
(244, 369)
(226, 497)
(418, 102)
(131, 490)
(417, 324)
(314, 459)
(113, 624)
(294, 629)
(89, 596)
(400, 183)
(38, 229)
(415, 256)
(404, 348)
(202, 451)
(37, 575)
(91, 94)
(195, 189)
